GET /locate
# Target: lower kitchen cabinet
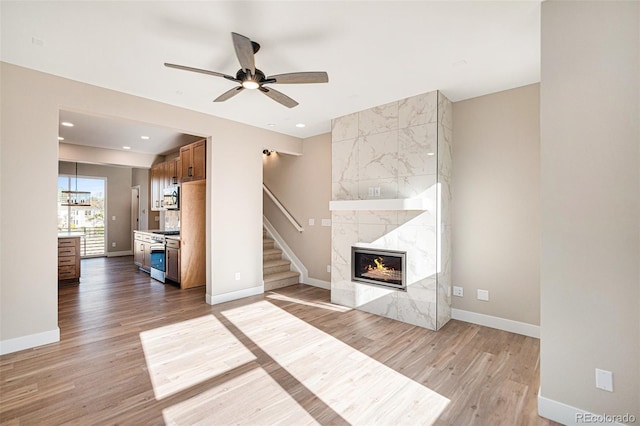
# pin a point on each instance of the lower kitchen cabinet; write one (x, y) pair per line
(173, 260)
(68, 259)
(142, 250)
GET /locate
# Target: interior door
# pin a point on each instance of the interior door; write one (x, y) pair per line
(135, 211)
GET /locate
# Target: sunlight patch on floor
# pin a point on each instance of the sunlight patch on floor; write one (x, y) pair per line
(329, 306)
(358, 388)
(250, 398)
(181, 355)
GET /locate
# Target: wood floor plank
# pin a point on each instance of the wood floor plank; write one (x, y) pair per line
(135, 351)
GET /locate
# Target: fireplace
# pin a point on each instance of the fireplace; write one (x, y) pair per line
(381, 267)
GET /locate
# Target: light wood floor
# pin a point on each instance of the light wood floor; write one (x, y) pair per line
(134, 351)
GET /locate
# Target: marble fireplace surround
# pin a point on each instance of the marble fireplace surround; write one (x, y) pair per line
(403, 148)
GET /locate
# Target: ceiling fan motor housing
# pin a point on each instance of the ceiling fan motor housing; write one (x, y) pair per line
(259, 77)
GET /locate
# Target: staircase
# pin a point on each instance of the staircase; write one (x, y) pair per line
(276, 271)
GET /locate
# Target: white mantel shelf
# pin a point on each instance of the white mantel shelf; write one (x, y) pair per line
(386, 204)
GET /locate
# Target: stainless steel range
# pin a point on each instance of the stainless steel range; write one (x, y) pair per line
(158, 254)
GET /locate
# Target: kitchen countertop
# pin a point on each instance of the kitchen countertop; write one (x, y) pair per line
(151, 232)
(70, 234)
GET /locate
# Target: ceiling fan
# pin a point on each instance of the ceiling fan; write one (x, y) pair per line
(251, 77)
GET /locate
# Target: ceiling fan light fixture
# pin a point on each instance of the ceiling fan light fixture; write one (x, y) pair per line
(250, 77)
(250, 84)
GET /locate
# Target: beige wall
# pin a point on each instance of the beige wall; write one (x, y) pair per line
(496, 204)
(590, 198)
(303, 186)
(140, 177)
(29, 111)
(118, 200)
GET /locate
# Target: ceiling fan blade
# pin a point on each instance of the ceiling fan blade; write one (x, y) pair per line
(244, 52)
(279, 97)
(201, 71)
(299, 78)
(229, 94)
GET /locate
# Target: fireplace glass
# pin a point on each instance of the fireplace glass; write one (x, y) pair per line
(379, 267)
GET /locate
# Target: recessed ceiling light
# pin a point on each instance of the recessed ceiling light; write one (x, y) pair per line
(67, 124)
(144, 137)
(430, 154)
(271, 125)
(300, 125)
(60, 138)
(126, 147)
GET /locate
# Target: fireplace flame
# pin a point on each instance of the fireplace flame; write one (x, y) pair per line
(380, 267)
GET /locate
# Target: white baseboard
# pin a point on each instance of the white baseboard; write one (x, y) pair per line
(31, 341)
(568, 415)
(119, 253)
(234, 295)
(496, 322)
(318, 283)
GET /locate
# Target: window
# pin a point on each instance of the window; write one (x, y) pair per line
(86, 221)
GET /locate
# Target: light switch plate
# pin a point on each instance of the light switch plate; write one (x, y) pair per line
(329, 268)
(604, 380)
(237, 276)
(326, 222)
(312, 222)
(458, 291)
(483, 295)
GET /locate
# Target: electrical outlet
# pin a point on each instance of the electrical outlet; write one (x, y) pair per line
(458, 291)
(237, 276)
(326, 222)
(483, 295)
(370, 191)
(113, 244)
(604, 380)
(113, 218)
(312, 222)
(329, 268)
(376, 191)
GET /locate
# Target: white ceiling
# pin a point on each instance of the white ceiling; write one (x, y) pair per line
(108, 133)
(374, 52)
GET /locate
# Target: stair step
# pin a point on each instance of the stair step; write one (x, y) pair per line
(274, 266)
(267, 243)
(280, 279)
(271, 254)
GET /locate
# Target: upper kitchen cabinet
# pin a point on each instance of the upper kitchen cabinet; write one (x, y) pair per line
(192, 157)
(163, 175)
(157, 185)
(172, 172)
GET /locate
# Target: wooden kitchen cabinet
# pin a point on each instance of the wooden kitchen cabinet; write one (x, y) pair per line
(162, 176)
(193, 163)
(68, 259)
(173, 259)
(193, 248)
(157, 185)
(142, 250)
(172, 172)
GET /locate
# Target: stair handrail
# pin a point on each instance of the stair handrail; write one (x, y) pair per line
(282, 208)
